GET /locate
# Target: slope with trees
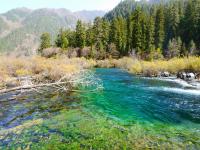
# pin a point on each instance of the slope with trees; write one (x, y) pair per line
(150, 30)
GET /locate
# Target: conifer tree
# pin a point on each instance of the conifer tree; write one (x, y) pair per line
(128, 35)
(62, 40)
(171, 28)
(105, 34)
(80, 34)
(90, 36)
(187, 23)
(192, 48)
(159, 28)
(45, 41)
(137, 30)
(174, 47)
(150, 34)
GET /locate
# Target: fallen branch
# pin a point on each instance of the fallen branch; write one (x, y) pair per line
(66, 83)
(30, 87)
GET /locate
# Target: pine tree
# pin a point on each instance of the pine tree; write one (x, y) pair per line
(150, 34)
(137, 30)
(65, 43)
(187, 24)
(192, 48)
(150, 30)
(45, 41)
(105, 34)
(98, 30)
(90, 40)
(196, 21)
(175, 20)
(62, 40)
(71, 36)
(145, 29)
(80, 34)
(101, 36)
(90, 36)
(159, 28)
(128, 35)
(174, 47)
(172, 22)
(121, 36)
(113, 31)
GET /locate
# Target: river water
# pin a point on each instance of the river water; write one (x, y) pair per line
(130, 112)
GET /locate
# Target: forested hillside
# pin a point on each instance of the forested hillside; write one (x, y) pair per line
(126, 7)
(169, 27)
(20, 28)
(148, 29)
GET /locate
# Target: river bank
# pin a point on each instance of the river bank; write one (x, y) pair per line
(16, 72)
(153, 68)
(33, 72)
(187, 69)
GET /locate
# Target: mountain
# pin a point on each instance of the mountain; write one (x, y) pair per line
(21, 28)
(89, 15)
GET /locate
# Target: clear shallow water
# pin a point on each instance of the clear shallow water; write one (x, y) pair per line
(130, 98)
(129, 113)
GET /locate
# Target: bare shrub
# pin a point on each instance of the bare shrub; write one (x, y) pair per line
(71, 52)
(50, 52)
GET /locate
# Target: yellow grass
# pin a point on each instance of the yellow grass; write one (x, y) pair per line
(173, 66)
(153, 67)
(54, 68)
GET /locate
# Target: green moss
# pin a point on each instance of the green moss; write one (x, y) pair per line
(75, 129)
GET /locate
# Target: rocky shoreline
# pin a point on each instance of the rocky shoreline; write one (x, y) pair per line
(190, 80)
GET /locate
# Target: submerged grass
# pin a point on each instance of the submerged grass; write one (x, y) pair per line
(80, 130)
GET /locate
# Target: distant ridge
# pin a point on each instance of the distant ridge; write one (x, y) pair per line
(21, 28)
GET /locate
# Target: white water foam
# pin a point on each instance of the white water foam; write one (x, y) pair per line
(183, 83)
(177, 90)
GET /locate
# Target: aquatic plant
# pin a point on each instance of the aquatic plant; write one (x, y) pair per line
(80, 130)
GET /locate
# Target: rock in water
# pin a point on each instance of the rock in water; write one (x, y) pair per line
(186, 76)
(181, 75)
(190, 76)
(165, 74)
(197, 76)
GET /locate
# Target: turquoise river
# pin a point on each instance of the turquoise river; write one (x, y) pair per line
(129, 112)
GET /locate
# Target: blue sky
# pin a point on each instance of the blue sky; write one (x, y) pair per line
(73, 5)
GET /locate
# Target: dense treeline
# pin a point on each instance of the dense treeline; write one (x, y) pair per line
(150, 31)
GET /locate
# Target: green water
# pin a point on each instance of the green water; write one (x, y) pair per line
(130, 112)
